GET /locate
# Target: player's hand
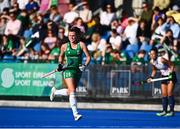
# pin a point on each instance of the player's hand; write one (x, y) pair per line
(60, 67)
(82, 68)
(149, 79)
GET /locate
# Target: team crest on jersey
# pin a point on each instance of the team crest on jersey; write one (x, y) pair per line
(78, 52)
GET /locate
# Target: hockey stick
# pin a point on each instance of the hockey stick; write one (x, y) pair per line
(56, 70)
(48, 74)
(140, 83)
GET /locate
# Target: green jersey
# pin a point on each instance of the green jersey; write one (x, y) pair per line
(73, 59)
(73, 56)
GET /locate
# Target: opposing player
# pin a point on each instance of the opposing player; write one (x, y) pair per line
(72, 51)
(166, 68)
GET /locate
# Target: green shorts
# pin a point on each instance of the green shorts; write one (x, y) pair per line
(71, 73)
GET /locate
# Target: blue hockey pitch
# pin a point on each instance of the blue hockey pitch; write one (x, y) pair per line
(12, 117)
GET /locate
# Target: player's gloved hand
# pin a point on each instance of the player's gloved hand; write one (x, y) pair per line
(60, 67)
(149, 79)
(82, 67)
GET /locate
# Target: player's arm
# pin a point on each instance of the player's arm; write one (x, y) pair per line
(153, 73)
(85, 50)
(61, 56)
(169, 63)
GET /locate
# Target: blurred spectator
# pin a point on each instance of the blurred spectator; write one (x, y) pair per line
(167, 38)
(95, 26)
(55, 15)
(124, 20)
(138, 61)
(97, 47)
(61, 37)
(162, 4)
(78, 22)
(157, 13)
(110, 39)
(171, 24)
(44, 6)
(130, 43)
(167, 41)
(24, 18)
(15, 8)
(54, 2)
(146, 14)
(22, 3)
(44, 52)
(32, 6)
(113, 56)
(85, 13)
(4, 4)
(6, 47)
(175, 13)
(131, 30)
(115, 24)
(115, 40)
(5, 11)
(2, 25)
(70, 15)
(54, 54)
(159, 30)
(50, 40)
(53, 27)
(12, 29)
(107, 16)
(38, 27)
(143, 36)
(143, 33)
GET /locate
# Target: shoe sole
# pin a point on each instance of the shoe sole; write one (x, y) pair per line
(168, 115)
(78, 118)
(160, 115)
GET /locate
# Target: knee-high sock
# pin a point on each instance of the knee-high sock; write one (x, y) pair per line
(171, 101)
(165, 103)
(63, 92)
(73, 103)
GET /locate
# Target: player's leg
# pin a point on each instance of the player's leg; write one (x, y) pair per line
(71, 84)
(164, 100)
(55, 92)
(171, 99)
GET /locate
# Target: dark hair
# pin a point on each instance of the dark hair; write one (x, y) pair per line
(142, 51)
(77, 32)
(114, 30)
(157, 9)
(154, 49)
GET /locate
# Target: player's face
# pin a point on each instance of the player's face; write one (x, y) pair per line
(153, 55)
(72, 37)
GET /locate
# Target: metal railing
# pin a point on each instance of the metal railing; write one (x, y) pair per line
(120, 81)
